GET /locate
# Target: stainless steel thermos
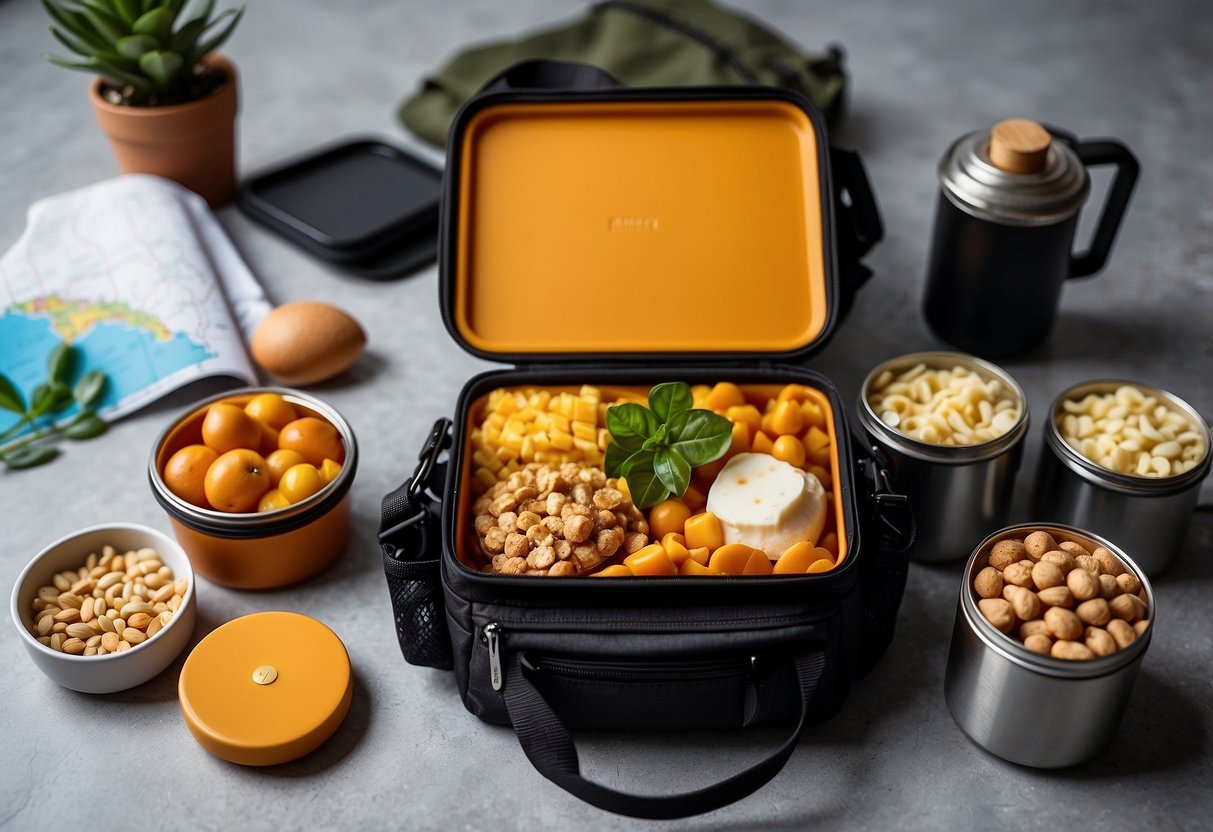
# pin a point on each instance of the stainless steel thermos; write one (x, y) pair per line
(1004, 232)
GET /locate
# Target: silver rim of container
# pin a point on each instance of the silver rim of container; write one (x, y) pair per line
(1013, 650)
(252, 520)
(977, 186)
(942, 454)
(1126, 483)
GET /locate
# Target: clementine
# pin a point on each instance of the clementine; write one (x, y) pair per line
(237, 480)
(185, 472)
(271, 409)
(280, 460)
(300, 482)
(315, 438)
(227, 427)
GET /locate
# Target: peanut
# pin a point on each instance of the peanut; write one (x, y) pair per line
(1038, 643)
(1121, 632)
(1037, 543)
(1095, 612)
(1063, 560)
(1075, 549)
(998, 612)
(1128, 583)
(1033, 628)
(1082, 584)
(1108, 562)
(1099, 642)
(1046, 574)
(97, 609)
(1063, 624)
(1056, 596)
(1129, 608)
(1023, 601)
(988, 583)
(1005, 553)
(1019, 574)
(1071, 651)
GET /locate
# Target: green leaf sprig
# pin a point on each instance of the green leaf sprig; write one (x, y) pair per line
(48, 400)
(656, 447)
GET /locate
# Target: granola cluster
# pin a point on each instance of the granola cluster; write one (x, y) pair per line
(556, 520)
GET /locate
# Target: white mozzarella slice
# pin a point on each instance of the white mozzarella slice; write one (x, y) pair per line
(766, 503)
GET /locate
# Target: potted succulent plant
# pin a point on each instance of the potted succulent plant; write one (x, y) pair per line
(162, 95)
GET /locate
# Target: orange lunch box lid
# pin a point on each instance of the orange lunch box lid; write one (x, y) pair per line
(638, 223)
(266, 688)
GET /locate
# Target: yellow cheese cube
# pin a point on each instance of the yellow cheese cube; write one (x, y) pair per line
(585, 409)
(585, 430)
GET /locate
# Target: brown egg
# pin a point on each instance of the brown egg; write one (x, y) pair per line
(305, 342)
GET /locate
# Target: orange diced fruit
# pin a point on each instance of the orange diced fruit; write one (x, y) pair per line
(821, 565)
(615, 570)
(822, 474)
(816, 439)
(651, 560)
(794, 392)
(329, 471)
(693, 568)
(786, 418)
(731, 558)
(668, 516)
(789, 449)
(675, 547)
(695, 499)
(829, 542)
(813, 415)
(796, 560)
(745, 414)
(758, 564)
(699, 394)
(762, 444)
(741, 440)
(723, 396)
(700, 555)
(703, 530)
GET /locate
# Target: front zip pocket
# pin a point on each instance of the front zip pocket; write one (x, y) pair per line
(651, 671)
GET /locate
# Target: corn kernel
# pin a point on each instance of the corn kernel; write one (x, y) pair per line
(585, 410)
(604, 438)
(542, 442)
(561, 440)
(590, 392)
(586, 446)
(585, 430)
(527, 451)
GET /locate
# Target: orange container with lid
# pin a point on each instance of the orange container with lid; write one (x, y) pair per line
(258, 550)
(622, 238)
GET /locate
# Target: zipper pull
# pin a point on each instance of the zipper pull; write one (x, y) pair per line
(492, 635)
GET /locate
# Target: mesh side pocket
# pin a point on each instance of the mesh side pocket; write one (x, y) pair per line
(419, 609)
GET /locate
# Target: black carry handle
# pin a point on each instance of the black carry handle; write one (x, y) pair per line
(1106, 152)
(549, 746)
(550, 75)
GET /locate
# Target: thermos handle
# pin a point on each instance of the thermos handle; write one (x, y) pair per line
(1106, 152)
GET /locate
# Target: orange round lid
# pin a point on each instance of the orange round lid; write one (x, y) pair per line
(266, 688)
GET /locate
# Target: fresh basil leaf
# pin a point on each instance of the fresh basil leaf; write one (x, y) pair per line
(29, 456)
(643, 483)
(86, 426)
(10, 397)
(615, 457)
(669, 398)
(89, 389)
(657, 440)
(673, 471)
(630, 424)
(700, 436)
(638, 460)
(59, 364)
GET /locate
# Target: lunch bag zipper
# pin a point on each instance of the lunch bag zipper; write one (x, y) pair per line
(674, 672)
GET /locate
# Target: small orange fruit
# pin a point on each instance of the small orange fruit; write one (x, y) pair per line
(315, 438)
(300, 482)
(281, 460)
(237, 480)
(272, 501)
(329, 471)
(185, 472)
(271, 409)
(227, 427)
(269, 439)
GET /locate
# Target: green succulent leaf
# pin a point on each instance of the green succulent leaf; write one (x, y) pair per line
(631, 424)
(73, 42)
(10, 397)
(667, 399)
(104, 68)
(700, 436)
(158, 23)
(29, 456)
(104, 22)
(134, 46)
(186, 38)
(128, 10)
(162, 67)
(61, 362)
(673, 471)
(89, 389)
(216, 40)
(75, 23)
(87, 426)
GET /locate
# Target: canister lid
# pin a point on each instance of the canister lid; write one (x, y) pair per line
(266, 688)
(648, 223)
(1010, 175)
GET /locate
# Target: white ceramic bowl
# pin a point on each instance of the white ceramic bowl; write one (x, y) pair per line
(115, 671)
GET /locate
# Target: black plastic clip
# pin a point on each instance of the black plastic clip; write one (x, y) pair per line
(890, 508)
(437, 442)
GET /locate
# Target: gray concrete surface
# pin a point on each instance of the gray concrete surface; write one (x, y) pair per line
(409, 756)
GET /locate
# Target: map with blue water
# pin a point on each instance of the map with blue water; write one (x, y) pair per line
(139, 277)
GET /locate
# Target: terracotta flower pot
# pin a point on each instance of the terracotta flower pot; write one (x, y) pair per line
(193, 143)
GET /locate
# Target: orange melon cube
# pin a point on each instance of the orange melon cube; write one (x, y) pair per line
(821, 565)
(741, 440)
(651, 560)
(829, 542)
(692, 568)
(731, 558)
(823, 475)
(723, 396)
(615, 570)
(700, 555)
(675, 548)
(762, 444)
(745, 414)
(695, 499)
(794, 392)
(703, 530)
(789, 449)
(813, 414)
(796, 560)
(758, 564)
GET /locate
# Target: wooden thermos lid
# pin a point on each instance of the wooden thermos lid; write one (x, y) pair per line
(1019, 145)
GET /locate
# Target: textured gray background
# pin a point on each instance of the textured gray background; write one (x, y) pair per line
(409, 756)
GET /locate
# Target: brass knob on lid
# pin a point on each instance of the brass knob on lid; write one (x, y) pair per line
(1019, 145)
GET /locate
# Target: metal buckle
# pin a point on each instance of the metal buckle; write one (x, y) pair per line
(434, 445)
(887, 500)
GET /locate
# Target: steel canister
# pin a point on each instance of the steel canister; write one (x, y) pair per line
(959, 492)
(1027, 708)
(1148, 516)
